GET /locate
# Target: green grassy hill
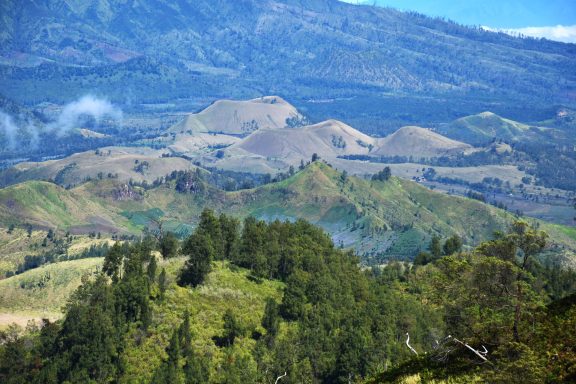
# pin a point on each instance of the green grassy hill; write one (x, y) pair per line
(47, 205)
(17, 244)
(41, 292)
(481, 128)
(379, 220)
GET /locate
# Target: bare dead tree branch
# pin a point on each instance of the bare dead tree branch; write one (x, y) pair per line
(408, 343)
(279, 377)
(485, 352)
(480, 354)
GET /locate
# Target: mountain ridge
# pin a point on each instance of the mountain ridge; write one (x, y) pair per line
(323, 48)
(377, 219)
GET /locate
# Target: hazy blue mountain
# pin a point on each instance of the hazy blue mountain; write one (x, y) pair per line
(161, 50)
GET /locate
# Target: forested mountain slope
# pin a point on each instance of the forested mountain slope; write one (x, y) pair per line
(253, 301)
(161, 50)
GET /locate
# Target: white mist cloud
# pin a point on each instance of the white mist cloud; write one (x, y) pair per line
(8, 129)
(21, 132)
(87, 106)
(562, 33)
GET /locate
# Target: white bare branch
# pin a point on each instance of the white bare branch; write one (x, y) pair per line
(408, 343)
(480, 354)
(279, 377)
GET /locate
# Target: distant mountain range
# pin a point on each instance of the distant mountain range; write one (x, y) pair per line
(156, 50)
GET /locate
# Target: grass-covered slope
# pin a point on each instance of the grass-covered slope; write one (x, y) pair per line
(395, 218)
(16, 244)
(418, 142)
(41, 292)
(47, 205)
(121, 163)
(226, 288)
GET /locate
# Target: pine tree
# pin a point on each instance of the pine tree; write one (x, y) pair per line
(173, 349)
(271, 318)
(113, 261)
(435, 247)
(452, 245)
(169, 370)
(251, 247)
(168, 245)
(229, 228)
(292, 307)
(151, 269)
(133, 290)
(209, 226)
(185, 335)
(195, 369)
(199, 249)
(162, 283)
(232, 328)
(88, 343)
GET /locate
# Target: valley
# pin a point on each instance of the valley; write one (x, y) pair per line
(269, 137)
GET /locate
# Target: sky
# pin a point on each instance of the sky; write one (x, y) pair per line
(553, 19)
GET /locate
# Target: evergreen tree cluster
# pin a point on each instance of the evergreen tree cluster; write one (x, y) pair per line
(383, 175)
(343, 327)
(87, 345)
(436, 250)
(486, 314)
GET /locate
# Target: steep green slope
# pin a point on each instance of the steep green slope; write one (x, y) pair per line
(380, 220)
(41, 292)
(45, 205)
(395, 218)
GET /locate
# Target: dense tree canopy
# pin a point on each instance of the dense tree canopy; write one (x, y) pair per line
(484, 314)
